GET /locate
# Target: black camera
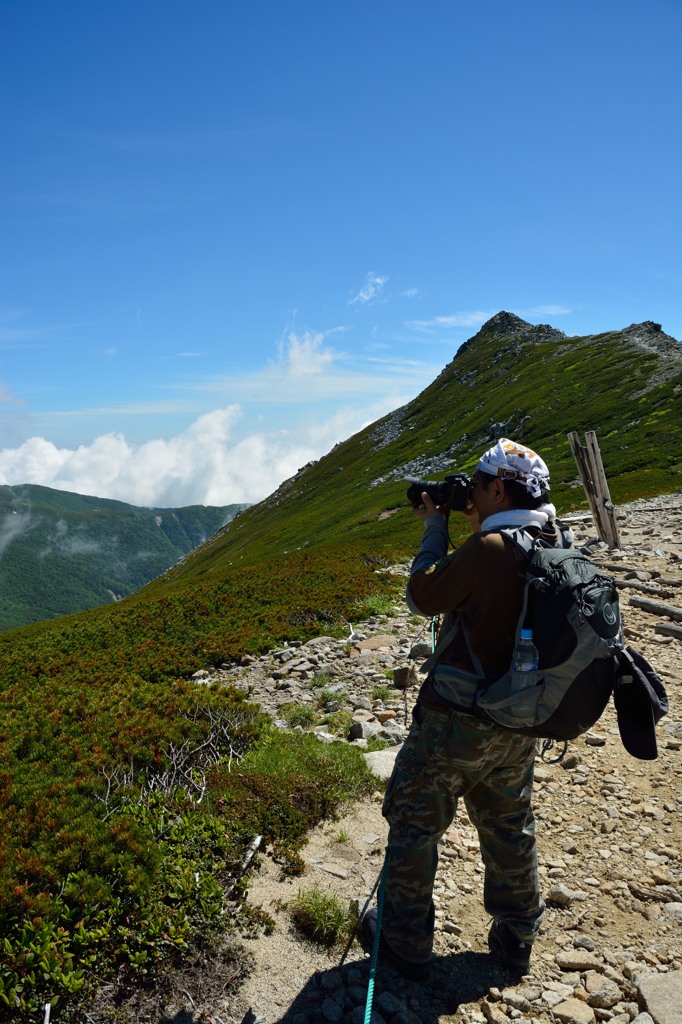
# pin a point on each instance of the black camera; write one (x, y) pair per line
(454, 491)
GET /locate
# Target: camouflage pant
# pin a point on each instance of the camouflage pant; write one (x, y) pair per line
(446, 755)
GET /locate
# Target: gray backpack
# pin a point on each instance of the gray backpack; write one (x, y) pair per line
(574, 613)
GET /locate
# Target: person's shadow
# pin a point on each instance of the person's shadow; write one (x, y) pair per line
(456, 978)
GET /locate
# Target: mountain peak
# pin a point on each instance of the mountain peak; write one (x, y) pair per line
(504, 323)
(509, 325)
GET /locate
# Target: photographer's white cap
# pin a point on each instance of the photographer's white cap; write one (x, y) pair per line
(513, 461)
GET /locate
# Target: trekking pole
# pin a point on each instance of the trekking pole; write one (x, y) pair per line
(375, 945)
(380, 900)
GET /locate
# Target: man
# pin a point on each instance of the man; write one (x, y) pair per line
(453, 750)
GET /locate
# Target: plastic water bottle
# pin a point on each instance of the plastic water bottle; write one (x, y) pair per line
(525, 660)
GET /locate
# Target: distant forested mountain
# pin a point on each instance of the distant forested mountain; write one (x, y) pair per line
(63, 552)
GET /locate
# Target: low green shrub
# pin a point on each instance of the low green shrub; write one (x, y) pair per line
(289, 783)
(143, 870)
(292, 863)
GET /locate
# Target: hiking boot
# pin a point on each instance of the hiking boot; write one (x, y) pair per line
(512, 952)
(408, 968)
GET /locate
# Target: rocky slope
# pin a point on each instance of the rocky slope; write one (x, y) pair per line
(610, 948)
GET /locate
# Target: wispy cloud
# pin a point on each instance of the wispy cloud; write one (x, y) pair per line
(371, 291)
(6, 396)
(546, 311)
(10, 313)
(208, 139)
(477, 317)
(19, 335)
(411, 293)
(69, 543)
(14, 525)
(161, 407)
(12, 413)
(170, 356)
(308, 370)
(473, 319)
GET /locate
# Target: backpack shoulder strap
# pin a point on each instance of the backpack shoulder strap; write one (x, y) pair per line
(520, 537)
(528, 544)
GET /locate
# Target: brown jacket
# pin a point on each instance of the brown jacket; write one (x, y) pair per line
(483, 583)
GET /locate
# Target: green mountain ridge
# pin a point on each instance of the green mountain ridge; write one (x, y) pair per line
(110, 865)
(62, 552)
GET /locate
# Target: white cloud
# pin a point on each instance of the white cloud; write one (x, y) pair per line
(473, 319)
(207, 464)
(371, 291)
(411, 293)
(305, 355)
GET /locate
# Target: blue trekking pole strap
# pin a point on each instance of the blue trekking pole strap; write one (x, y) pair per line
(375, 946)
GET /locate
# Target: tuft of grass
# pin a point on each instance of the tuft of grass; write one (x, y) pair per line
(324, 696)
(343, 835)
(376, 743)
(339, 722)
(320, 680)
(298, 714)
(321, 916)
(375, 604)
(382, 692)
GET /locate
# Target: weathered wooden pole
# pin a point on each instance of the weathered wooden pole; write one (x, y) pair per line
(593, 478)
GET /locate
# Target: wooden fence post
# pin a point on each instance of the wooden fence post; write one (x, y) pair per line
(593, 478)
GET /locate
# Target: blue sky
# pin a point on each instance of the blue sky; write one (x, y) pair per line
(233, 234)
